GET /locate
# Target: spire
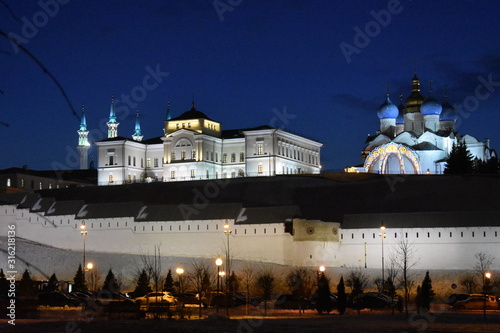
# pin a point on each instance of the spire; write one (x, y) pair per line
(83, 141)
(137, 136)
(168, 116)
(112, 124)
(83, 122)
(192, 106)
(430, 88)
(112, 115)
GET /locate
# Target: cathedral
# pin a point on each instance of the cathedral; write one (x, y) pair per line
(195, 147)
(416, 137)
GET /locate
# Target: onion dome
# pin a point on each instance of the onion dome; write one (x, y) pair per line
(431, 106)
(387, 109)
(449, 113)
(415, 97)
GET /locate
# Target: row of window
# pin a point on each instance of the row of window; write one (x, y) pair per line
(23, 184)
(417, 235)
(297, 153)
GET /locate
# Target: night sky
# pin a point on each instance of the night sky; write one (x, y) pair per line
(316, 68)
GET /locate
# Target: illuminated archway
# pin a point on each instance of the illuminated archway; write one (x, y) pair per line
(381, 155)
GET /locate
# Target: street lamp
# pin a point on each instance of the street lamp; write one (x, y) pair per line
(179, 272)
(88, 268)
(227, 231)
(486, 287)
(83, 231)
(321, 271)
(218, 262)
(382, 235)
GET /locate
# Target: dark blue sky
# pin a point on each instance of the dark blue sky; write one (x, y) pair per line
(247, 63)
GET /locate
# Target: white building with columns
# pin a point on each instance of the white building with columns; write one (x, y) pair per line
(196, 147)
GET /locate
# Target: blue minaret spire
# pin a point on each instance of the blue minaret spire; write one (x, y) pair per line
(112, 123)
(137, 136)
(83, 141)
(168, 116)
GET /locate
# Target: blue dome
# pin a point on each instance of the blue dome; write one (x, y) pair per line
(449, 113)
(387, 110)
(431, 106)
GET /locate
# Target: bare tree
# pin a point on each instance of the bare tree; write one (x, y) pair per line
(95, 279)
(266, 281)
(404, 258)
(247, 276)
(483, 263)
(469, 282)
(357, 280)
(200, 277)
(301, 283)
(152, 266)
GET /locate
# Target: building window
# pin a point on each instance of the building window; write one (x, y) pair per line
(129, 178)
(211, 156)
(134, 160)
(233, 174)
(224, 158)
(207, 174)
(148, 162)
(111, 179)
(156, 162)
(183, 155)
(417, 234)
(428, 234)
(8, 182)
(206, 155)
(242, 157)
(193, 173)
(50, 185)
(473, 234)
(260, 169)
(216, 157)
(451, 235)
(484, 233)
(373, 235)
(129, 159)
(193, 154)
(142, 162)
(173, 156)
(233, 157)
(172, 174)
(260, 149)
(111, 160)
(461, 234)
(22, 183)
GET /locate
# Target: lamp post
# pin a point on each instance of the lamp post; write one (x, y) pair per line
(382, 235)
(486, 286)
(83, 231)
(321, 270)
(218, 262)
(88, 268)
(228, 232)
(179, 272)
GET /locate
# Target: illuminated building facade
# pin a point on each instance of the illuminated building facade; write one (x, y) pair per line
(416, 137)
(195, 147)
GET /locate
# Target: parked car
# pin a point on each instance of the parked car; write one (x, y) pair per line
(457, 297)
(110, 304)
(159, 299)
(55, 298)
(373, 301)
(190, 299)
(292, 302)
(477, 302)
(332, 304)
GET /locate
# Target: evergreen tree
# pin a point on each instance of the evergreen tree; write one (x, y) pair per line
(26, 285)
(233, 283)
(4, 284)
(111, 283)
(79, 280)
(341, 296)
(426, 293)
(324, 302)
(169, 282)
(460, 160)
(142, 287)
(53, 283)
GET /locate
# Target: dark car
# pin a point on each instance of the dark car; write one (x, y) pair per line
(328, 306)
(292, 302)
(457, 297)
(105, 302)
(54, 298)
(373, 301)
(190, 299)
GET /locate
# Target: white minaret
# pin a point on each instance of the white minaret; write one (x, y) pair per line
(112, 124)
(83, 142)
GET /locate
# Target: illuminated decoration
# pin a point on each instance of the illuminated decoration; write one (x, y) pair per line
(382, 153)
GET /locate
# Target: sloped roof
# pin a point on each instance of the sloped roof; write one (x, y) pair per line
(64, 207)
(42, 205)
(182, 212)
(108, 210)
(277, 214)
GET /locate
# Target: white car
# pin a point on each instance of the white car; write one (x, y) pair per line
(163, 298)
